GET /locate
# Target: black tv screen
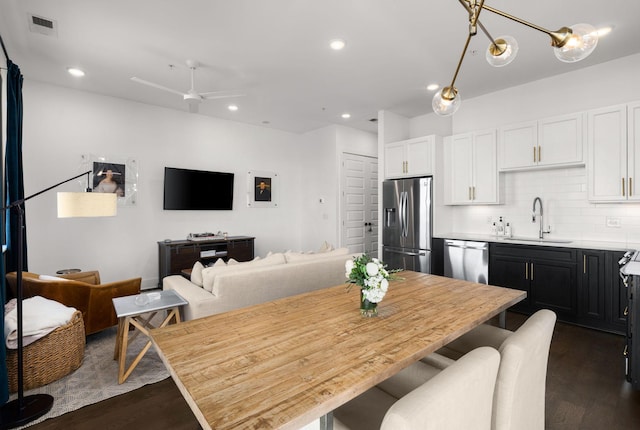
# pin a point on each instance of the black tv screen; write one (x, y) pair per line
(186, 189)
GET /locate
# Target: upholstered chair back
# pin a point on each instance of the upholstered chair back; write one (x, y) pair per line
(519, 398)
(458, 398)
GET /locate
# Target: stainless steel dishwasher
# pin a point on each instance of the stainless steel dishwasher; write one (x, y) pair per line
(466, 260)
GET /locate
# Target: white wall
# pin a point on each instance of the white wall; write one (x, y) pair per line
(563, 191)
(323, 148)
(61, 124)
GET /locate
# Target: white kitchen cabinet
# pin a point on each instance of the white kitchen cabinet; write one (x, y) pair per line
(613, 141)
(412, 157)
(471, 169)
(550, 142)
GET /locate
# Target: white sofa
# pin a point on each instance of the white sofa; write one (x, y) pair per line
(230, 286)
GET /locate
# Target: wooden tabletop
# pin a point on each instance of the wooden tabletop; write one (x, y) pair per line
(285, 363)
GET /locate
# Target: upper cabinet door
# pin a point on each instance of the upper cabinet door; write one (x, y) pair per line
(560, 140)
(633, 150)
(485, 168)
(551, 142)
(413, 157)
(607, 154)
(394, 160)
(420, 154)
(458, 151)
(518, 146)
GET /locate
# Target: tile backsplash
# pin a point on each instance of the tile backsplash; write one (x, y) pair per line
(566, 209)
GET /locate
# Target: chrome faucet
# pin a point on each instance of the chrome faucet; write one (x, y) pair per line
(533, 217)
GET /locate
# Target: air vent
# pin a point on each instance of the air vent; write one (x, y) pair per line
(42, 25)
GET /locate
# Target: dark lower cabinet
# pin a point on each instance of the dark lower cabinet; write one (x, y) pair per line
(547, 274)
(581, 285)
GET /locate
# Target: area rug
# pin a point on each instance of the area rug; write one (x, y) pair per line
(97, 378)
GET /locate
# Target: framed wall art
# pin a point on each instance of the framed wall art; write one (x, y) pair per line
(262, 189)
(113, 175)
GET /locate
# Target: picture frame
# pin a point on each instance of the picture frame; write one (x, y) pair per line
(117, 175)
(263, 189)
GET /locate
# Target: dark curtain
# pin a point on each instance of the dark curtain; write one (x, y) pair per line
(14, 189)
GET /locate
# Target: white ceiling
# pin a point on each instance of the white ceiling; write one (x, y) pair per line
(276, 51)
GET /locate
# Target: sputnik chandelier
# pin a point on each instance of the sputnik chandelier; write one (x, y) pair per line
(570, 44)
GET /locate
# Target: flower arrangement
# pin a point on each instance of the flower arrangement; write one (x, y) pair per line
(371, 275)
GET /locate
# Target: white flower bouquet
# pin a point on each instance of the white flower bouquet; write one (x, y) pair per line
(371, 275)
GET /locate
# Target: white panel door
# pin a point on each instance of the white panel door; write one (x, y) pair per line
(359, 203)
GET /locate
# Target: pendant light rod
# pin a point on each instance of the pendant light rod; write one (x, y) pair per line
(474, 13)
(559, 38)
(496, 47)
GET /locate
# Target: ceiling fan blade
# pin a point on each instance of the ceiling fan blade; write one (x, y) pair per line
(160, 87)
(219, 95)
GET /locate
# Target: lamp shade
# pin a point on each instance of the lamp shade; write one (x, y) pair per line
(75, 205)
(581, 43)
(502, 51)
(446, 101)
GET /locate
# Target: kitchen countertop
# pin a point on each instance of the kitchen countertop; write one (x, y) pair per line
(547, 241)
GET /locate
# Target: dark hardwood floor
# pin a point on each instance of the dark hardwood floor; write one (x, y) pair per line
(586, 390)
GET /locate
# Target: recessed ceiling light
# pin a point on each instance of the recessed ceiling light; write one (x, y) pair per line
(232, 108)
(337, 44)
(346, 115)
(433, 87)
(73, 71)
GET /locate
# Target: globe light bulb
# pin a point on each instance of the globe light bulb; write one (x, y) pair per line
(581, 43)
(502, 51)
(446, 101)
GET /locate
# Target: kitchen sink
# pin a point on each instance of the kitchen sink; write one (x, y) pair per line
(537, 240)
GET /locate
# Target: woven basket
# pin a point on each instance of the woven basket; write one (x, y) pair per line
(50, 358)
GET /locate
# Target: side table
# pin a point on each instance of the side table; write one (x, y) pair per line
(136, 312)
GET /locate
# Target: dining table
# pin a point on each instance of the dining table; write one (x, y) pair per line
(290, 362)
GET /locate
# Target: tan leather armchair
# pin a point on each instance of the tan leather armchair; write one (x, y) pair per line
(82, 291)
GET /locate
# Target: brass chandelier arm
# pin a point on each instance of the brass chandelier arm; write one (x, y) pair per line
(482, 27)
(455, 75)
(559, 38)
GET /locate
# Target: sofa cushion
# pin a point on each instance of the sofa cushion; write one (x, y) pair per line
(196, 273)
(297, 257)
(209, 274)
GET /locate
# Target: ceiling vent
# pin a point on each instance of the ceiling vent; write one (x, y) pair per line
(42, 25)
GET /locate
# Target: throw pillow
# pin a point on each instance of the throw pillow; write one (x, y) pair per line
(326, 247)
(196, 273)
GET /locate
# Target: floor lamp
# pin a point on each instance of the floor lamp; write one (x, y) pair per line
(25, 409)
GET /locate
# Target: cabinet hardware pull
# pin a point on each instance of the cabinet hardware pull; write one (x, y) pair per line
(532, 271)
(534, 154)
(474, 192)
(630, 187)
(626, 311)
(526, 271)
(470, 193)
(623, 193)
(584, 264)
(539, 154)
(406, 163)
(626, 350)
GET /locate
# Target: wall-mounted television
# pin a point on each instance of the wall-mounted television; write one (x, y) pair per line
(186, 189)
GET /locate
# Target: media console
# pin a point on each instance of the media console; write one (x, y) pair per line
(177, 255)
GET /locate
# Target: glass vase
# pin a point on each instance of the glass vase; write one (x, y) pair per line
(367, 309)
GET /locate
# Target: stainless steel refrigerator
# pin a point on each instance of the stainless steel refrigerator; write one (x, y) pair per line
(407, 224)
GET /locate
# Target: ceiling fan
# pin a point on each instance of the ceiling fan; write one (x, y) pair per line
(192, 97)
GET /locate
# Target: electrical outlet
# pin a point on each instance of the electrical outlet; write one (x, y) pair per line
(614, 222)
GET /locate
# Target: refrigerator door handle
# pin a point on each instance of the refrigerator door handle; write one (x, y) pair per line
(405, 225)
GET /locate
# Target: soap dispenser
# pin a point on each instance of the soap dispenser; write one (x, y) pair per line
(500, 227)
(507, 230)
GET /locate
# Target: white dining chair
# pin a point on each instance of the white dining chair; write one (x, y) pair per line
(459, 397)
(519, 397)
